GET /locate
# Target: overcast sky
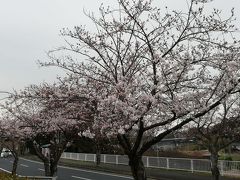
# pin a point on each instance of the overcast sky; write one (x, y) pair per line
(29, 28)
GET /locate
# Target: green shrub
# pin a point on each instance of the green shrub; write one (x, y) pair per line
(228, 158)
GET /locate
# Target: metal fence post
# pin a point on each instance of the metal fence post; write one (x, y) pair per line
(85, 157)
(192, 168)
(221, 168)
(167, 163)
(104, 158)
(117, 159)
(94, 157)
(147, 161)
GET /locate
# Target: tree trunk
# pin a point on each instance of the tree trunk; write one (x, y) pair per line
(137, 167)
(98, 157)
(53, 167)
(44, 159)
(214, 166)
(56, 151)
(1, 147)
(46, 164)
(15, 165)
(98, 154)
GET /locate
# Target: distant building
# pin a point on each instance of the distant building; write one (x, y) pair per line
(172, 143)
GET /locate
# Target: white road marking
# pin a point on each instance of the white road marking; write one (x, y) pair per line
(24, 165)
(32, 161)
(41, 169)
(77, 177)
(5, 170)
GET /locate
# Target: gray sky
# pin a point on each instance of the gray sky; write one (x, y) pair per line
(29, 28)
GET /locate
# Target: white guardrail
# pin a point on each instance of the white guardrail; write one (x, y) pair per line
(193, 165)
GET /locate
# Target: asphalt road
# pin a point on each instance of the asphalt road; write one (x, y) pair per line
(33, 168)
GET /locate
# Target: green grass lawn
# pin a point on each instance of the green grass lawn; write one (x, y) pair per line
(6, 176)
(231, 157)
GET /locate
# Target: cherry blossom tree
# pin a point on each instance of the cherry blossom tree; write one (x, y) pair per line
(51, 115)
(217, 130)
(98, 139)
(1, 140)
(150, 70)
(17, 123)
(13, 137)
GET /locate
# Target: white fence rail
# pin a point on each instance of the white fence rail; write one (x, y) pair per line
(193, 165)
